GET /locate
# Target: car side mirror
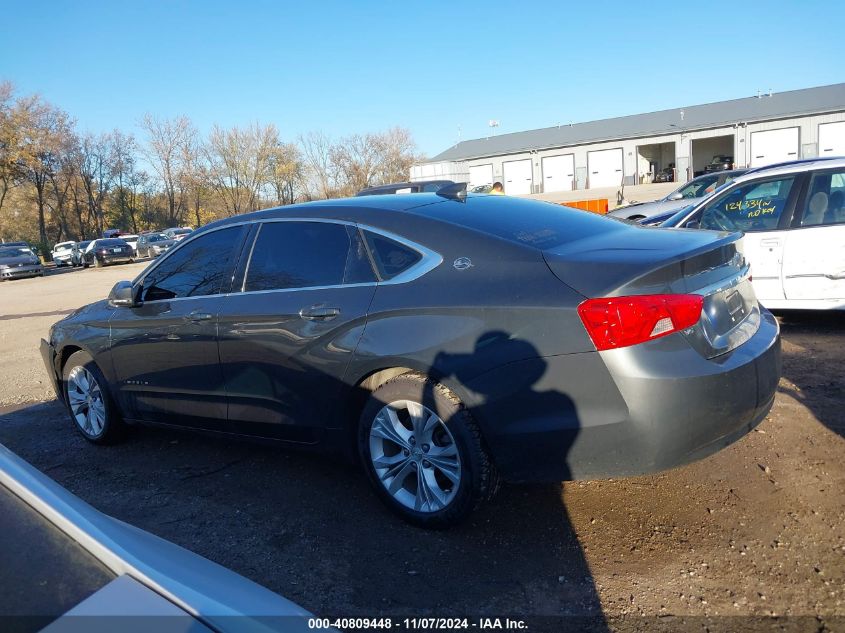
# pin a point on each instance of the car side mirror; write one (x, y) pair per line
(676, 196)
(124, 295)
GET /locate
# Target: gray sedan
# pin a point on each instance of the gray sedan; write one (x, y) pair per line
(696, 189)
(444, 341)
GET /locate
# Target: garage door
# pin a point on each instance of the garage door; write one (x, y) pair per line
(605, 168)
(832, 139)
(518, 178)
(774, 146)
(480, 175)
(558, 173)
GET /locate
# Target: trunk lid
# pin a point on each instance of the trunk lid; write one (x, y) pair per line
(649, 261)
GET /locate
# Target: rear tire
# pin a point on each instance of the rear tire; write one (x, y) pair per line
(89, 402)
(423, 452)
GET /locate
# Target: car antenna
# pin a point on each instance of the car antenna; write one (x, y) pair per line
(456, 191)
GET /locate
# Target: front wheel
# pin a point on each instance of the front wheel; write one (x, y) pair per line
(89, 401)
(423, 452)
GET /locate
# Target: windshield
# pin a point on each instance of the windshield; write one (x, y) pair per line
(158, 237)
(15, 251)
(718, 160)
(64, 246)
(699, 187)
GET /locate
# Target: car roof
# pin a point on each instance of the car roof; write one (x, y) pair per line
(793, 167)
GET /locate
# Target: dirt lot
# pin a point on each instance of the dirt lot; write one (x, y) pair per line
(756, 530)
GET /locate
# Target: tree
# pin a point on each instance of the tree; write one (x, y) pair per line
(285, 173)
(321, 172)
(124, 151)
(239, 164)
(165, 152)
(11, 172)
(42, 137)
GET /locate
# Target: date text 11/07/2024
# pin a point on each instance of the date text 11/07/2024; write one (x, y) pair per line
(413, 624)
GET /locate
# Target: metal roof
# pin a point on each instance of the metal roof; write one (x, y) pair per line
(749, 109)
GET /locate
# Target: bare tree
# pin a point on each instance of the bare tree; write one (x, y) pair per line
(124, 151)
(397, 152)
(357, 161)
(321, 172)
(239, 163)
(285, 173)
(165, 144)
(96, 168)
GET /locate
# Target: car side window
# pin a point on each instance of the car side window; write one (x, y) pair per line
(753, 206)
(825, 203)
(196, 269)
(290, 255)
(389, 256)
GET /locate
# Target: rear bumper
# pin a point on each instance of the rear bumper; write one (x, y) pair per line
(624, 412)
(48, 355)
(121, 258)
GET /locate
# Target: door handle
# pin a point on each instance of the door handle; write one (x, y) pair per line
(774, 242)
(318, 313)
(196, 317)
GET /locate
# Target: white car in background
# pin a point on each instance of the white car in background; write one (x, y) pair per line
(793, 217)
(132, 240)
(63, 253)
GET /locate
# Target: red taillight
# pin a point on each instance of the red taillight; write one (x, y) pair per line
(622, 321)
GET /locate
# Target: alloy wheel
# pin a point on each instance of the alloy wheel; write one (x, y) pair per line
(415, 456)
(85, 399)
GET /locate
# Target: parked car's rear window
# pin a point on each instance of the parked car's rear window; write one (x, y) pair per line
(109, 243)
(306, 254)
(541, 225)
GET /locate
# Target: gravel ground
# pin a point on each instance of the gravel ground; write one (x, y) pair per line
(755, 530)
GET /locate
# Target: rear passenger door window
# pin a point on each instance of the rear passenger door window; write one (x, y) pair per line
(825, 202)
(290, 255)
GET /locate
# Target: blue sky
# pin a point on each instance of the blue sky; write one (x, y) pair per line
(345, 67)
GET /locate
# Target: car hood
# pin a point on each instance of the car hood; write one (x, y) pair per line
(14, 261)
(649, 209)
(164, 243)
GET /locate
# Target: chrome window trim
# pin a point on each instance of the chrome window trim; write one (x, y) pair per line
(429, 259)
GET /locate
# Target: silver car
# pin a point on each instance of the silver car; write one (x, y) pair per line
(696, 189)
(17, 262)
(153, 244)
(66, 565)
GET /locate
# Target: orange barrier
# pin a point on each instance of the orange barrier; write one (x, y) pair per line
(597, 205)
